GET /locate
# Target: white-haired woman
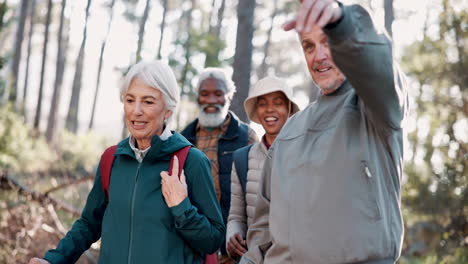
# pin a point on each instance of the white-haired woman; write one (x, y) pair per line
(145, 215)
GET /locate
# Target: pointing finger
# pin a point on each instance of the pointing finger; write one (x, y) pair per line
(304, 11)
(164, 175)
(289, 25)
(175, 167)
(326, 16)
(182, 177)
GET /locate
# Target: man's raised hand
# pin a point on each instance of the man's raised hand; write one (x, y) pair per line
(314, 13)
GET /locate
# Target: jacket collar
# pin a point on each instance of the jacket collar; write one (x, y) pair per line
(233, 129)
(344, 87)
(160, 149)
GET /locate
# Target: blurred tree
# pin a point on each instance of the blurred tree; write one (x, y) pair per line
(188, 43)
(3, 10)
(389, 17)
(9, 18)
(32, 23)
(60, 68)
(162, 27)
(436, 191)
(213, 44)
(101, 59)
(37, 117)
(13, 91)
(263, 67)
(219, 19)
(141, 29)
(131, 17)
(193, 41)
(72, 116)
(243, 55)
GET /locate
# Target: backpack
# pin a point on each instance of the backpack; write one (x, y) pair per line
(107, 159)
(241, 163)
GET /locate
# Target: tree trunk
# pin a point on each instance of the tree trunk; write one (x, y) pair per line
(243, 55)
(212, 56)
(32, 14)
(60, 68)
(211, 26)
(18, 49)
(101, 59)
(163, 26)
(141, 33)
(369, 4)
(263, 66)
(187, 47)
(4, 22)
(141, 30)
(389, 17)
(3, 10)
(72, 116)
(217, 30)
(37, 118)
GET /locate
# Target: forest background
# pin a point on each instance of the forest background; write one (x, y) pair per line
(62, 62)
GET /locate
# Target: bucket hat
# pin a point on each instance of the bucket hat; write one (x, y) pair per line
(264, 86)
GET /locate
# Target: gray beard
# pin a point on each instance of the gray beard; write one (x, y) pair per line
(213, 119)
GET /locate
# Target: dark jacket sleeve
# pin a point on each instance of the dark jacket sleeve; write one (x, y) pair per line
(198, 218)
(365, 56)
(259, 239)
(85, 231)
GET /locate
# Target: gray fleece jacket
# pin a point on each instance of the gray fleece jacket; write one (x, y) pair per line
(330, 189)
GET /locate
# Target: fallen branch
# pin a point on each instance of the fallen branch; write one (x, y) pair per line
(64, 185)
(8, 183)
(61, 229)
(56, 220)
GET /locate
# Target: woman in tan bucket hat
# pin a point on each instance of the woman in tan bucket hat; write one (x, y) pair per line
(270, 103)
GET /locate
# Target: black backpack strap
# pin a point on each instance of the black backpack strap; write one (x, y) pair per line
(241, 163)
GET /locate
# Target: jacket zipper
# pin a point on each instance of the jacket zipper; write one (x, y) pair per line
(132, 214)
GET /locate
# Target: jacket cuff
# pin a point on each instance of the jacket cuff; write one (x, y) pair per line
(342, 29)
(180, 209)
(234, 227)
(54, 258)
(245, 260)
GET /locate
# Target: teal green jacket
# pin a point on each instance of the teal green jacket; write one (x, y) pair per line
(136, 225)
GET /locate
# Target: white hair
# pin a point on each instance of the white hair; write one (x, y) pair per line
(219, 74)
(158, 75)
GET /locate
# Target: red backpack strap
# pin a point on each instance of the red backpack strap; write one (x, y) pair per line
(107, 159)
(182, 156)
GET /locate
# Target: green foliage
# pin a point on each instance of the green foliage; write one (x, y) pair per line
(211, 46)
(79, 154)
(457, 256)
(19, 151)
(3, 10)
(22, 152)
(436, 191)
(197, 43)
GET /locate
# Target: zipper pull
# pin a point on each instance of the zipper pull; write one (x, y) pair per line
(368, 172)
(366, 169)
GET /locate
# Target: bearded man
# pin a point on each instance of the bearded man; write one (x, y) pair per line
(218, 132)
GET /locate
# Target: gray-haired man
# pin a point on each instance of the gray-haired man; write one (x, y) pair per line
(331, 184)
(218, 132)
